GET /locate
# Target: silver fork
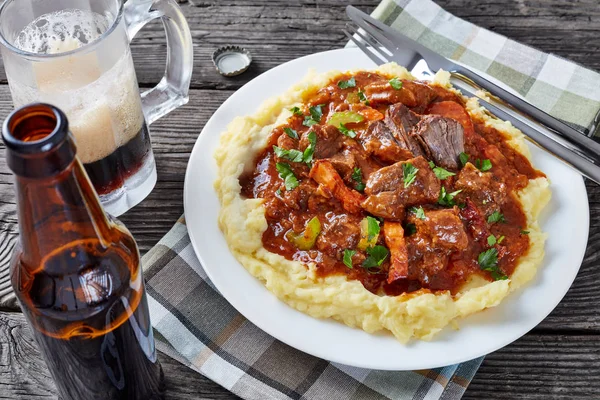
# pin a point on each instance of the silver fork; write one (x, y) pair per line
(380, 43)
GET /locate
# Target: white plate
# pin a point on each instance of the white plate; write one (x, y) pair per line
(566, 220)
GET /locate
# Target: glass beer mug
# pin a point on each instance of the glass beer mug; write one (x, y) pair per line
(74, 54)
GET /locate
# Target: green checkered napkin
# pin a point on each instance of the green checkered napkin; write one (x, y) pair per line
(194, 324)
(562, 88)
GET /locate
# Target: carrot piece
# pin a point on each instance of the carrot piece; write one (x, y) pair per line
(394, 239)
(453, 110)
(324, 174)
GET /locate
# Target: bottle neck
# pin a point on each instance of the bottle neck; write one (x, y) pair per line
(56, 212)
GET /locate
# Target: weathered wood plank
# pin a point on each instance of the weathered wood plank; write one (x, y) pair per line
(24, 375)
(278, 31)
(534, 367)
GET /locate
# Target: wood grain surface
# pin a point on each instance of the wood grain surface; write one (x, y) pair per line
(560, 359)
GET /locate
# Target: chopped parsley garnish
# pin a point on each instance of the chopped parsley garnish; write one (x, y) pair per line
(357, 177)
(485, 165)
(396, 83)
(296, 111)
(362, 97)
(348, 257)
(447, 199)
(373, 228)
(307, 156)
(286, 173)
(442, 173)
(291, 133)
(491, 240)
(376, 257)
(419, 212)
(350, 83)
(464, 158)
(348, 132)
(410, 229)
(524, 232)
(278, 192)
(316, 112)
(488, 261)
(292, 154)
(409, 173)
(496, 216)
(500, 239)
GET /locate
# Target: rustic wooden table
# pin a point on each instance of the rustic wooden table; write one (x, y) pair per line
(558, 359)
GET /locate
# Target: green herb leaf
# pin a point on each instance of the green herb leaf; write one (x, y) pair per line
(447, 199)
(488, 261)
(376, 257)
(348, 257)
(500, 239)
(396, 83)
(316, 112)
(442, 173)
(292, 154)
(362, 97)
(307, 156)
(357, 177)
(491, 240)
(348, 132)
(409, 173)
(296, 111)
(419, 212)
(291, 133)
(524, 232)
(286, 173)
(350, 83)
(278, 192)
(464, 158)
(432, 164)
(496, 216)
(410, 229)
(486, 165)
(373, 228)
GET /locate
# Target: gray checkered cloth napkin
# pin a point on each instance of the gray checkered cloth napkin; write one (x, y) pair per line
(194, 324)
(197, 326)
(561, 88)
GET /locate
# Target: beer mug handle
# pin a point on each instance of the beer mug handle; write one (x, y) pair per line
(173, 89)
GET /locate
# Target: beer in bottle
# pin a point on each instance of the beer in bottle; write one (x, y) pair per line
(76, 271)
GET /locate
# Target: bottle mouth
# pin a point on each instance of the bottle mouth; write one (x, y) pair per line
(37, 141)
(35, 128)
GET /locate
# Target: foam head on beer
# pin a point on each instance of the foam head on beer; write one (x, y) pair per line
(100, 97)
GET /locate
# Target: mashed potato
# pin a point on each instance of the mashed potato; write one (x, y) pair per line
(419, 314)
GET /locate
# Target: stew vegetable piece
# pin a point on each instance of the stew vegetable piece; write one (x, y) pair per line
(392, 183)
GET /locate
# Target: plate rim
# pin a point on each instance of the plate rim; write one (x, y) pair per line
(306, 348)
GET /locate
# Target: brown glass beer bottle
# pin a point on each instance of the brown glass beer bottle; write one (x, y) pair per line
(76, 271)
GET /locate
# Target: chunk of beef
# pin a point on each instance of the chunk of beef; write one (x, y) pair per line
(381, 92)
(331, 184)
(286, 142)
(339, 232)
(437, 236)
(401, 122)
(344, 163)
(456, 111)
(423, 93)
(388, 195)
(379, 141)
(297, 199)
(445, 139)
(443, 229)
(483, 188)
(329, 141)
(394, 239)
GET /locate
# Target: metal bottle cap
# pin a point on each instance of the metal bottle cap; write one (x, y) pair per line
(231, 60)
